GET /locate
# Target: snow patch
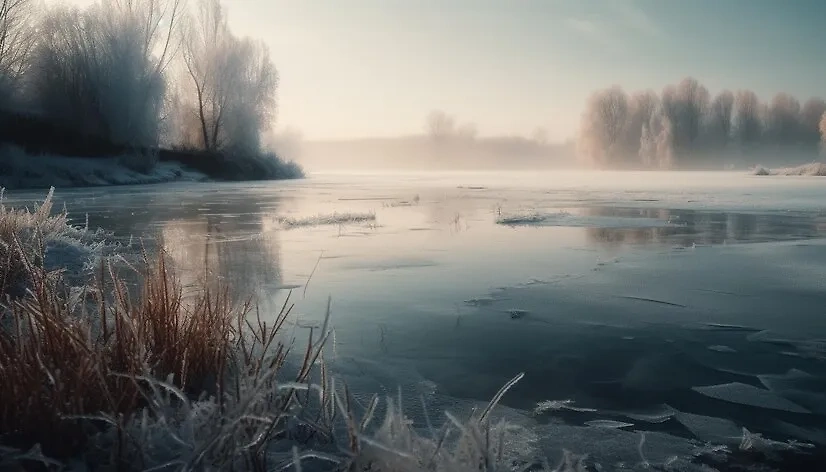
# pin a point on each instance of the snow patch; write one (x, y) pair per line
(20, 170)
(814, 169)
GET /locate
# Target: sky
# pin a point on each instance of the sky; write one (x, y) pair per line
(363, 68)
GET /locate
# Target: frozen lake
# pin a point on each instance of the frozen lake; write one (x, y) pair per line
(687, 303)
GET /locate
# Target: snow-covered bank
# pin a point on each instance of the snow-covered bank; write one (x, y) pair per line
(814, 169)
(20, 170)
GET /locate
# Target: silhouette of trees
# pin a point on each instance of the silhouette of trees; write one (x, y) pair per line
(17, 39)
(440, 126)
(228, 85)
(101, 69)
(685, 126)
(823, 132)
(603, 125)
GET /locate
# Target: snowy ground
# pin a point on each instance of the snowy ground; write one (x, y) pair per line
(814, 169)
(651, 312)
(20, 170)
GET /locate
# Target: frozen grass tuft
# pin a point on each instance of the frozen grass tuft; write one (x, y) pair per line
(524, 218)
(38, 239)
(814, 169)
(328, 219)
(149, 376)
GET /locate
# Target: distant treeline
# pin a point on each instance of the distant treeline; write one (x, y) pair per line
(685, 127)
(133, 75)
(423, 153)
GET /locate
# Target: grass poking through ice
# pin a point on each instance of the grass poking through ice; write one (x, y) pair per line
(150, 377)
(329, 219)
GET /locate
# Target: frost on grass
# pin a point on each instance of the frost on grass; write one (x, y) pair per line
(38, 238)
(325, 219)
(556, 405)
(567, 219)
(814, 169)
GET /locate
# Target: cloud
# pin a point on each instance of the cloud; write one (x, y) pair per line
(635, 18)
(591, 30)
(621, 19)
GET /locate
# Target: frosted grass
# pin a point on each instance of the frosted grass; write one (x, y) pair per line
(813, 169)
(335, 218)
(567, 219)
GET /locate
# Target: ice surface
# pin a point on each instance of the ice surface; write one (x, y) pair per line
(750, 395)
(585, 221)
(710, 429)
(617, 449)
(794, 379)
(817, 436)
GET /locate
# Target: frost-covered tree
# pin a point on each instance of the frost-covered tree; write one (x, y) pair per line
(540, 136)
(101, 70)
(641, 107)
(719, 120)
(467, 131)
(657, 141)
(823, 132)
(603, 127)
(746, 125)
(685, 105)
(784, 120)
(440, 126)
(812, 111)
(17, 39)
(228, 85)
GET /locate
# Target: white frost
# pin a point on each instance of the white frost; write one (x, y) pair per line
(570, 220)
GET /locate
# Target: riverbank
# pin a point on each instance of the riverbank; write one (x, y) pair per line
(38, 153)
(19, 170)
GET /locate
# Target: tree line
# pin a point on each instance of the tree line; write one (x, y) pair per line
(684, 126)
(143, 73)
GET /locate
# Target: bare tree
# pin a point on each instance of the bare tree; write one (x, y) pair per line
(231, 83)
(540, 136)
(603, 124)
(440, 126)
(685, 105)
(642, 106)
(823, 132)
(17, 39)
(784, 125)
(467, 131)
(747, 126)
(812, 111)
(718, 123)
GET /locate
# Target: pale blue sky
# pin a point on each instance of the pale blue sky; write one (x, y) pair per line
(352, 68)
